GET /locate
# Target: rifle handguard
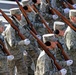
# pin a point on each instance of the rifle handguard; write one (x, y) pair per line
(4, 48)
(66, 57)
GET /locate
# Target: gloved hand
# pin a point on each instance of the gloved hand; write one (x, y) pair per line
(25, 53)
(55, 17)
(74, 5)
(63, 71)
(69, 62)
(39, 36)
(66, 10)
(10, 57)
(26, 41)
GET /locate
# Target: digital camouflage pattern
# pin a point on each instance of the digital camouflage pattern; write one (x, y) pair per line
(70, 37)
(12, 40)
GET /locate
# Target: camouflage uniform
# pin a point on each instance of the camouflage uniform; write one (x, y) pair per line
(70, 39)
(13, 44)
(70, 42)
(58, 25)
(39, 27)
(61, 26)
(45, 65)
(29, 52)
(35, 20)
(32, 49)
(63, 10)
(46, 13)
(3, 57)
(12, 40)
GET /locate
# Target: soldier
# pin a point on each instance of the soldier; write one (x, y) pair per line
(62, 7)
(70, 39)
(59, 29)
(32, 15)
(45, 65)
(46, 12)
(3, 56)
(32, 49)
(20, 22)
(14, 43)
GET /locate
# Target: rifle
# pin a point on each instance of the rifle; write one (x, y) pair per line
(26, 17)
(66, 57)
(41, 43)
(4, 48)
(64, 18)
(66, 4)
(45, 48)
(63, 3)
(16, 20)
(48, 1)
(12, 24)
(69, 5)
(43, 20)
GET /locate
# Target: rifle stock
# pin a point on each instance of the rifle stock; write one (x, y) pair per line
(12, 24)
(4, 48)
(45, 49)
(43, 20)
(26, 17)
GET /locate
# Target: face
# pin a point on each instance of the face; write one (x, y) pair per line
(1, 29)
(28, 8)
(61, 32)
(53, 45)
(73, 19)
(18, 16)
(38, 1)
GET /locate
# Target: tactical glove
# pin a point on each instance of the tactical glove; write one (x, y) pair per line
(26, 41)
(63, 71)
(10, 57)
(69, 62)
(55, 17)
(66, 10)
